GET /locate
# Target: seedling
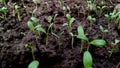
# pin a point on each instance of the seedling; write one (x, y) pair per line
(103, 31)
(36, 2)
(87, 58)
(17, 11)
(117, 19)
(54, 20)
(78, 8)
(3, 10)
(82, 36)
(101, 8)
(91, 19)
(90, 6)
(111, 16)
(114, 45)
(70, 22)
(34, 21)
(34, 63)
(72, 41)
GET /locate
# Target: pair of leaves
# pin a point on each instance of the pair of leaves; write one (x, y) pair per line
(70, 19)
(34, 64)
(33, 28)
(102, 29)
(82, 36)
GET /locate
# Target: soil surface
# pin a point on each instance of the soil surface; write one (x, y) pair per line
(15, 34)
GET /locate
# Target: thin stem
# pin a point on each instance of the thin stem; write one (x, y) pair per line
(88, 45)
(32, 50)
(46, 38)
(82, 43)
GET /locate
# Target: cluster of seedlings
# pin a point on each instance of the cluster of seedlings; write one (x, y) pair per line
(36, 28)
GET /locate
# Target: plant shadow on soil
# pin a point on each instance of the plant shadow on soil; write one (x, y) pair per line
(14, 35)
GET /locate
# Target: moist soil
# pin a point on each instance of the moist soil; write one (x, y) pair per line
(15, 34)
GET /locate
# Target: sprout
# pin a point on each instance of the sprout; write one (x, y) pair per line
(72, 35)
(103, 31)
(3, 10)
(78, 8)
(36, 2)
(114, 45)
(91, 19)
(17, 11)
(70, 22)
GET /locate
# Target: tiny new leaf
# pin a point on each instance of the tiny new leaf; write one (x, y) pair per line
(87, 59)
(39, 28)
(34, 19)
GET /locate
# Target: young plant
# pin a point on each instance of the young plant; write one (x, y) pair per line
(34, 21)
(54, 21)
(3, 10)
(114, 45)
(17, 11)
(103, 31)
(36, 2)
(87, 58)
(111, 16)
(34, 63)
(70, 22)
(101, 8)
(91, 19)
(78, 9)
(117, 19)
(72, 41)
(90, 6)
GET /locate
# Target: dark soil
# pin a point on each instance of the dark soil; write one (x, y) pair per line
(14, 35)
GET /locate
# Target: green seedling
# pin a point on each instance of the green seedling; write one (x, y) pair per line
(114, 45)
(78, 8)
(103, 31)
(68, 8)
(54, 21)
(72, 41)
(36, 2)
(4, 2)
(111, 16)
(82, 36)
(17, 11)
(3, 10)
(117, 19)
(70, 22)
(87, 59)
(34, 63)
(91, 19)
(101, 8)
(34, 21)
(90, 6)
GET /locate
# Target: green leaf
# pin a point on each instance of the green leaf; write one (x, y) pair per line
(117, 41)
(98, 43)
(65, 24)
(106, 31)
(82, 36)
(87, 59)
(34, 64)
(30, 25)
(71, 20)
(39, 28)
(3, 9)
(34, 19)
(50, 19)
(68, 17)
(36, 1)
(80, 30)
(64, 8)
